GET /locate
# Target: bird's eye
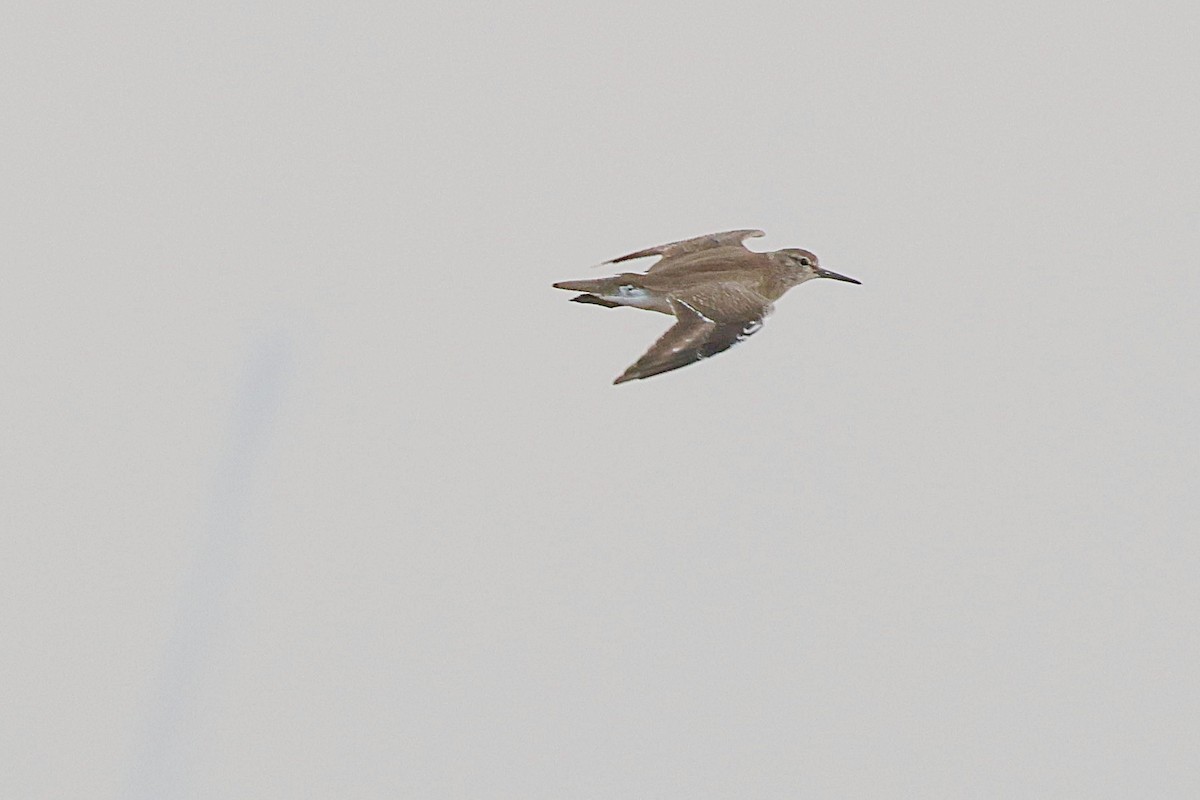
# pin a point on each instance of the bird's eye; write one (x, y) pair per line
(804, 262)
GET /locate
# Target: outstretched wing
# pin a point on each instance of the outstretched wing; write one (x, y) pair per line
(698, 333)
(686, 246)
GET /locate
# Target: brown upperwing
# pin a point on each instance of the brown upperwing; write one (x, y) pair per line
(685, 246)
(707, 322)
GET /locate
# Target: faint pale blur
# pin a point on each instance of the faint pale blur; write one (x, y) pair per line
(162, 767)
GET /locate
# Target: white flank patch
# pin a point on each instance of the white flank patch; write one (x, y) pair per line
(631, 296)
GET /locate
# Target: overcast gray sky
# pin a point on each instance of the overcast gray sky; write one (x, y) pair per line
(315, 488)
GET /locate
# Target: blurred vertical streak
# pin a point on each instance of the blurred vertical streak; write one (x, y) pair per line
(160, 767)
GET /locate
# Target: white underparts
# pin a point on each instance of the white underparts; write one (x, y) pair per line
(627, 295)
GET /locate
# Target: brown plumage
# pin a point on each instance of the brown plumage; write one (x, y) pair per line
(719, 292)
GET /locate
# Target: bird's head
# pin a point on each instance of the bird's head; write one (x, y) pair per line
(803, 265)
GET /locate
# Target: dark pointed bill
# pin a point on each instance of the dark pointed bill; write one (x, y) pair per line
(824, 273)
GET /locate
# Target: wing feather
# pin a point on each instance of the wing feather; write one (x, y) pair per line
(696, 335)
(685, 246)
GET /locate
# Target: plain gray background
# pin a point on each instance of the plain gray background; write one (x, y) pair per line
(313, 487)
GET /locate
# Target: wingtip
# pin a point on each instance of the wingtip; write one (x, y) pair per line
(591, 299)
(624, 377)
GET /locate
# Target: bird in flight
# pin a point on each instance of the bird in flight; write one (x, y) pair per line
(718, 290)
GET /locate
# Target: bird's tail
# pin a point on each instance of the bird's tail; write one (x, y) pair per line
(597, 285)
(594, 291)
